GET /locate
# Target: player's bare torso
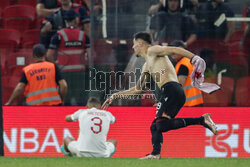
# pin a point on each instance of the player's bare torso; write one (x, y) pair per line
(161, 69)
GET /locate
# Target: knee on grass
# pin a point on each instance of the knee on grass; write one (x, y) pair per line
(114, 141)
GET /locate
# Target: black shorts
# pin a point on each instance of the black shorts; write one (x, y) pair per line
(172, 99)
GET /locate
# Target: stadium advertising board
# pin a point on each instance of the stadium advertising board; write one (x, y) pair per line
(39, 131)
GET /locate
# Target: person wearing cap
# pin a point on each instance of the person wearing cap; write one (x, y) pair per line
(56, 20)
(184, 69)
(69, 48)
(44, 8)
(41, 82)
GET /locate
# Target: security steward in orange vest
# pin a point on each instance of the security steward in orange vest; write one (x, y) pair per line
(69, 48)
(41, 82)
(184, 69)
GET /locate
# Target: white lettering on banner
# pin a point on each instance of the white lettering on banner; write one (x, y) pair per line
(66, 133)
(225, 143)
(24, 140)
(46, 142)
(11, 144)
(246, 140)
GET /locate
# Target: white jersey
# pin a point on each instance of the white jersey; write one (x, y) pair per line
(94, 127)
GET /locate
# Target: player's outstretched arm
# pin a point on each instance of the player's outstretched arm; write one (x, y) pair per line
(73, 117)
(68, 118)
(107, 102)
(138, 89)
(158, 50)
(118, 95)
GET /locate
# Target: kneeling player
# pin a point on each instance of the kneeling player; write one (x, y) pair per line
(94, 126)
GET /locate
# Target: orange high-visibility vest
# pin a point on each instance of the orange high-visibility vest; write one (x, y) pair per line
(193, 95)
(41, 88)
(72, 49)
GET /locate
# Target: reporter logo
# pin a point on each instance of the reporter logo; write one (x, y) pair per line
(111, 82)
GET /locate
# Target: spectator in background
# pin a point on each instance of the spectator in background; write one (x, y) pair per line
(163, 6)
(69, 47)
(92, 140)
(217, 26)
(86, 3)
(190, 5)
(45, 8)
(56, 21)
(246, 34)
(97, 8)
(166, 26)
(245, 41)
(184, 70)
(40, 81)
(193, 8)
(160, 6)
(198, 13)
(208, 56)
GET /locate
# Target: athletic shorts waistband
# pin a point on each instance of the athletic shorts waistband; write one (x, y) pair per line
(169, 84)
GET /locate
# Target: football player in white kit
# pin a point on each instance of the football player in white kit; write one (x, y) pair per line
(94, 126)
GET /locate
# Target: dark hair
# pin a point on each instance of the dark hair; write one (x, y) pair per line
(70, 15)
(144, 36)
(177, 43)
(94, 100)
(39, 50)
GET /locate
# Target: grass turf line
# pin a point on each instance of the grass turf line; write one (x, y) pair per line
(121, 162)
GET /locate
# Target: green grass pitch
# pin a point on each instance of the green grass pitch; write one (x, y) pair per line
(121, 162)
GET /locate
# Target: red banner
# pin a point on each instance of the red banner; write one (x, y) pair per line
(39, 131)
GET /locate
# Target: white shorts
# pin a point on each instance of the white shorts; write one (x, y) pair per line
(73, 148)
